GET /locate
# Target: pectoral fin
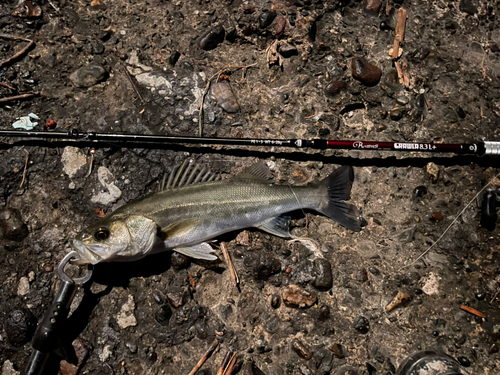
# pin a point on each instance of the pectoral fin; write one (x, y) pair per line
(279, 226)
(178, 229)
(200, 251)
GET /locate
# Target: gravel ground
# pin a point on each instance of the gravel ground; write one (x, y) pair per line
(283, 69)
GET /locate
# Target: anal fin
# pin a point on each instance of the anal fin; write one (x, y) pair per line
(278, 226)
(200, 251)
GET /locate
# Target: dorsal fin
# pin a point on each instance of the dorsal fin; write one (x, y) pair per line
(188, 173)
(258, 171)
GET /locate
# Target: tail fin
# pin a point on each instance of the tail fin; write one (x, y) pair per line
(338, 185)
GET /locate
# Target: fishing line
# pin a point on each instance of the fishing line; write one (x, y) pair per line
(449, 226)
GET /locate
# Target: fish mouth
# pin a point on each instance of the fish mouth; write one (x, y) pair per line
(88, 253)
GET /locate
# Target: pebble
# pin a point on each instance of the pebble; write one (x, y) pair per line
(420, 101)
(288, 50)
(436, 216)
(373, 6)
(266, 18)
(266, 267)
(432, 171)
(20, 326)
(323, 272)
(384, 26)
(302, 350)
(397, 300)
(374, 271)
(464, 361)
(361, 275)
(223, 94)
(8, 368)
(335, 87)
(337, 350)
(480, 296)
(212, 38)
(126, 317)
(467, 6)
(88, 76)
(295, 296)
(275, 301)
(280, 27)
(163, 315)
(366, 73)
(73, 160)
(419, 192)
(131, 347)
(362, 325)
(174, 57)
(244, 238)
(12, 226)
(24, 286)
(179, 261)
(495, 348)
(402, 100)
(324, 312)
(397, 114)
(460, 112)
(177, 298)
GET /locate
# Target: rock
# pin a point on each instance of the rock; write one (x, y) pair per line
(12, 226)
(432, 171)
(280, 27)
(337, 350)
(397, 300)
(73, 160)
(431, 284)
(125, 317)
(174, 57)
(266, 18)
(82, 350)
(222, 93)
(8, 368)
(275, 301)
(88, 76)
(179, 261)
(266, 267)
(213, 38)
(111, 192)
(288, 50)
(20, 326)
(419, 192)
(335, 87)
(402, 100)
(467, 6)
(323, 272)
(24, 286)
(163, 315)
(295, 296)
(362, 325)
(324, 312)
(366, 73)
(244, 238)
(302, 350)
(177, 297)
(373, 6)
(273, 325)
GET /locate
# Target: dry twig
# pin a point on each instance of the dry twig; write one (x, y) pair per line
(230, 366)
(495, 296)
(205, 357)
(400, 32)
(25, 167)
(473, 311)
(6, 85)
(132, 83)
(20, 53)
(16, 97)
(229, 262)
(224, 363)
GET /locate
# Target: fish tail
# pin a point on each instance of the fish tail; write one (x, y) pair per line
(338, 186)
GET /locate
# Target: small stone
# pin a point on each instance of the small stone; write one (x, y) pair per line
(373, 6)
(374, 271)
(397, 114)
(464, 361)
(467, 6)
(397, 300)
(266, 267)
(495, 348)
(295, 296)
(88, 76)
(82, 350)
(266, 18)
(436, 216)
(20, 326)
(363, 71)
(163, 315)
(174, 57)
(361, 275)
(362, 325)
(384, 26)
(337, 350)
(431, 284)
(280, 27)
(244, 238)
(8, 368)
(179, 261)
(223, 94)
(323, 272)
(460, 112)
(335, 87)
(24, 286)
(299, 348)
(324, 312)
(419, 192)
(212, 38)
(432, 171)
(131, 347)
(125, 317)
(402, 100)
(288, 50)
(110, 192)
(275, 301)
(177, 298)
(73, 160)
(480, 296)
(97, 48)
(12, 226)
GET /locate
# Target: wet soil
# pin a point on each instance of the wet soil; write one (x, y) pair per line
(142, 67)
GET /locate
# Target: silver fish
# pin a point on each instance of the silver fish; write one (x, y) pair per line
(195, 208)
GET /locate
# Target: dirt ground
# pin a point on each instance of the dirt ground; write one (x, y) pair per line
(287, 72)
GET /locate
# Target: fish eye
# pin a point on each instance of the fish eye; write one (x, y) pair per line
(101, 234)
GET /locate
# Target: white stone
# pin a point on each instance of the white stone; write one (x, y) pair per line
(112, 192)
(8, 368)
(31, 276)
(73, 159)
(431, 284)
(106, 353)
(23, 287)
(125, 317)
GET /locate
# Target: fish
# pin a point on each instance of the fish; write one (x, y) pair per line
(195, 207)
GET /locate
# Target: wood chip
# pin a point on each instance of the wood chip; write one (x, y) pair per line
(473, 311)
(229, 262)
(398, 300)
(400, 32)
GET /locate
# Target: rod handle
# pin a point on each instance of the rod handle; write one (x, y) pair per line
(491, 148)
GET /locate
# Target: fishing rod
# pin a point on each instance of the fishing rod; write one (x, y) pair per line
(486, 148)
